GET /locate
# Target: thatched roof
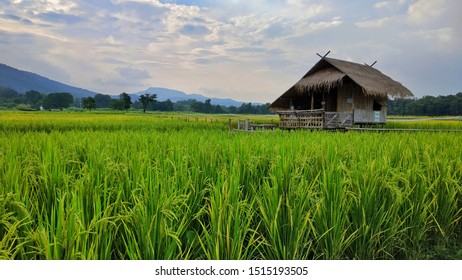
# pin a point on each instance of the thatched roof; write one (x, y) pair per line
(329, 73)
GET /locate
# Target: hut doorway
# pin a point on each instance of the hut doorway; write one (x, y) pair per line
(331, 101)
(314, 101)
(376, 106)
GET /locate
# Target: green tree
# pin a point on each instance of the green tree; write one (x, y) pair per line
(165, 106)
(58, 100)
(126, 99)
(117, 104)
(103, 101)
(89, 103)
(246, 108)
(217, 109)
(198, 106)
(8, 93)
(33, 97)
(146, 100)
(208, 108)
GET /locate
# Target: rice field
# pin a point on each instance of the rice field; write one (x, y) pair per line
(154, 186)
(449, 123)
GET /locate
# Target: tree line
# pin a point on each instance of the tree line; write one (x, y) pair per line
(34, 100)
(449, 105)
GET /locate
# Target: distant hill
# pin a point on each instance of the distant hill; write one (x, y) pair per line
(23, 81)
(175, 95)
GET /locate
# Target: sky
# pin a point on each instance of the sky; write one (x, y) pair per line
(247, 50)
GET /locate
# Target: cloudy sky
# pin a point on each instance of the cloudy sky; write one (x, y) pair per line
(248, 50)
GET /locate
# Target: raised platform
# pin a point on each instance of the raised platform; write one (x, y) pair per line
(314, 119)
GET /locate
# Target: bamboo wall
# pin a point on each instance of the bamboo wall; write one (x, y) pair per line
(351, 98)
(344, 93)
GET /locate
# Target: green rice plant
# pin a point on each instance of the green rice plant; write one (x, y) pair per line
(286, 212)
(14, 225)
(374, 211)
(226, 220)
(153, 227)
(162, 186)
(331, 227)
(450, 124)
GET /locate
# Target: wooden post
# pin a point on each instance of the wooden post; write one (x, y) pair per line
(353, 100)
(312, 101)
(353, 118)
(247, 124)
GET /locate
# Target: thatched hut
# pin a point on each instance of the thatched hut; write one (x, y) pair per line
(337, 94)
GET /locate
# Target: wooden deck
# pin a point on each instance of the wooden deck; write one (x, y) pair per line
(314, 119)
(320, 119)
(328, 121)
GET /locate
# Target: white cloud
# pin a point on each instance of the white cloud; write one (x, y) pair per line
(389, 4)
(336, 21)
(384, 5)
(375, 23)
(111, 40)
(296, 3)
(133, 73)
(424, 11)
(442, 35)
(247, 50)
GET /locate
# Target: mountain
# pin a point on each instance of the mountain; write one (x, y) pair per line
(175, 95)
(23, 81)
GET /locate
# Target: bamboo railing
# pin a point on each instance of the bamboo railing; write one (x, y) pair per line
(314, 119)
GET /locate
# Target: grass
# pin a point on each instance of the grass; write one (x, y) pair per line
(450, 123)
(133, 186)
